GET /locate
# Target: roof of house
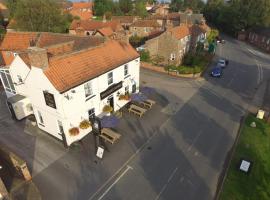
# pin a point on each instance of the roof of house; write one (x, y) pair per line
(145, 23)
(106, 31)
(124, 19)
(80, 5)
(19, 41)
(191, 18)
(174, 16)
(68, 71)
(91, 25)
(180, 32)
(84, 15)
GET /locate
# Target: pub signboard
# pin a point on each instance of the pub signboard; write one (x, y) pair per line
(111, 90)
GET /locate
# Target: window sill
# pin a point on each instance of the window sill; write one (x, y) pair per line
(90, 97)
(127, 76)
(41, 124)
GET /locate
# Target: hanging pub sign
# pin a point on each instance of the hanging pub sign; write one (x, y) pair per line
(111, 90)
(49, 99)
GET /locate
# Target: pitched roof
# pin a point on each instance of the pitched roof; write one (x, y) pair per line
(17, 41)
(173, 16)
(145, 23)
(106, 31)
(80, 5)
(92, 25)
(66, 72)
(180, 32)
(191, 18)
(84, 15)
(124, 19)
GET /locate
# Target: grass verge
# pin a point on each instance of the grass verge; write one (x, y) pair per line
(254, 145)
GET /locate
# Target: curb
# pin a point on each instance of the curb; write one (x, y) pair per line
(228, 159)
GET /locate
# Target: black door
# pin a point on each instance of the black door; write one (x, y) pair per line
(111, 102)
(133, 88)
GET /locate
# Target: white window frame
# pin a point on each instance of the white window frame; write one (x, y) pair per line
(88, 89)
(8, 82)
(110, 78)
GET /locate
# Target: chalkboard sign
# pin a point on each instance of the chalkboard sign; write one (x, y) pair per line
(49, 99)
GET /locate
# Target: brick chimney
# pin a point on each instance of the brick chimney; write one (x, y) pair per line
(38, 57)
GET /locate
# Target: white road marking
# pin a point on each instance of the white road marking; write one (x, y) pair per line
(166, 185)
(109, 188)
(259, 66)
(195, 140)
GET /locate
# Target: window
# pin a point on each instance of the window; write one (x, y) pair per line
(268, 41)
(134, 88)
(88, 89)
(126, 89)
(49, 99)
(172, 56)
(7, 81)
(19, 78)
(125, 70)
(110, 78)
(60, 127)
(40, 118)
(91, 113)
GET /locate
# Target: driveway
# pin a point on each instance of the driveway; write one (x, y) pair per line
(177, 150)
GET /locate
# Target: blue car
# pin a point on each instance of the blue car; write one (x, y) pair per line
(216, 72)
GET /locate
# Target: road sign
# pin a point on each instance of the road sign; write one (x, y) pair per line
(100, 152)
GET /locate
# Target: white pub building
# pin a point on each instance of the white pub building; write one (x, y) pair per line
(64, 80)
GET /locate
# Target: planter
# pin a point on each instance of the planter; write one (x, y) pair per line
(107, 109)
(74, 131)
(125, 97)
(85, 124)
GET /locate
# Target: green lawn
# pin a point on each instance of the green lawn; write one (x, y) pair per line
(254, 144)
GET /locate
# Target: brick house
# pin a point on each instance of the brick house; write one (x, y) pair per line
(260, 37)
(173, 44)
(125, 21)
(87, 27)
(144, 28)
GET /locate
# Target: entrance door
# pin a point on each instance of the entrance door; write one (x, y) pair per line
(111, 102)
(133, 88)
(10, 107)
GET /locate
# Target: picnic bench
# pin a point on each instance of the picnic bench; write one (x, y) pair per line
(109, 135)
(148, 103)
(136, 110)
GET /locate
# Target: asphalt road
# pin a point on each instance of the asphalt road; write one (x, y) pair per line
(176, 151)
(185, 159)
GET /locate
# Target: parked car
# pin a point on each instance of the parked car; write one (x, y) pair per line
(217, 71)
(223, 63)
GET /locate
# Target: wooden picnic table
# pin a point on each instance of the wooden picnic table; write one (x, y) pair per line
(136, 110)
(109, 135)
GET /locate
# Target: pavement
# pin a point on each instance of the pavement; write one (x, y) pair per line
(176, 151)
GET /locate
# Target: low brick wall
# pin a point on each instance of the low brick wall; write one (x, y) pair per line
(171, 73)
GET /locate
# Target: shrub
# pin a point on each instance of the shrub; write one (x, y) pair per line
(74, 131)
(188, 59)
(136, 41)
(145, 56)
(85, 124)
(156, 60)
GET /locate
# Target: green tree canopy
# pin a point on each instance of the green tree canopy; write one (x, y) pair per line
(126, 6)
(238, 14)
(40, 15)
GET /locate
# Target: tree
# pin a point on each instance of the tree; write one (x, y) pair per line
(176, 5)
(125, 6)
(40, 15)
(196, 5)
(140, 8)
(103, 6)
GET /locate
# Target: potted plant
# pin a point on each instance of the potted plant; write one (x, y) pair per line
(107, 109)
(124, 97)
(85, 124)
(74, 131)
